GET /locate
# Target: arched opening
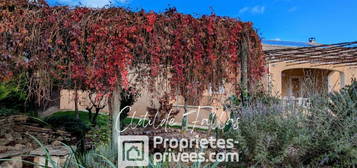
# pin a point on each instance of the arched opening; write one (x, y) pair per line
(306, 82)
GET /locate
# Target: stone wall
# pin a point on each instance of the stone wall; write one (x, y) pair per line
(16, 140)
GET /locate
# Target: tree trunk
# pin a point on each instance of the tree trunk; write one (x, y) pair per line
(184, 123)
(76, 102)
(115, 103)
(94, 118)
(244, 71)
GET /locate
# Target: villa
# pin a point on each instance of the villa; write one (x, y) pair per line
(296, 70)
(315, 70)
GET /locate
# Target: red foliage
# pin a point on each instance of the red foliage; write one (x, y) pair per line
(96, 48)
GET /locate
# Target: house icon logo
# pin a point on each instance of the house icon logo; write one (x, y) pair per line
(133, 151)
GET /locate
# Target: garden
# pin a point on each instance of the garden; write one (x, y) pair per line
(114, 56)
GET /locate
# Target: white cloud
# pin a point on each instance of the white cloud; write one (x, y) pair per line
(258, 9)
(243, 10)
(253, 10)
(66, 2)
(277, 39)
(123, 1)
(90, 3)
(95, 3)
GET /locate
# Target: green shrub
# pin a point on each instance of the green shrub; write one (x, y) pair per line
(12, 99)
(104, 156)
(102, 120)
(323, 135)
(100, 135)
(254, 98)
(344, 103)
(269, 138)
(69, 123)
(335, 133)
(8, 111)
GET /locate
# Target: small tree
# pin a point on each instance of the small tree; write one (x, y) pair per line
(97, 103)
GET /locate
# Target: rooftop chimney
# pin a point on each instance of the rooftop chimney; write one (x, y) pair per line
(312, 40)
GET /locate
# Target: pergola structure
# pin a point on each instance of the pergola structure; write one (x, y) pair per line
(295, 70)
(340, 54)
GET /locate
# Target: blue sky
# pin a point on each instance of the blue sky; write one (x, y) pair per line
(329, 21)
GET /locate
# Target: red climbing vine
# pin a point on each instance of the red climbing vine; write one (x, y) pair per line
(99, 48)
